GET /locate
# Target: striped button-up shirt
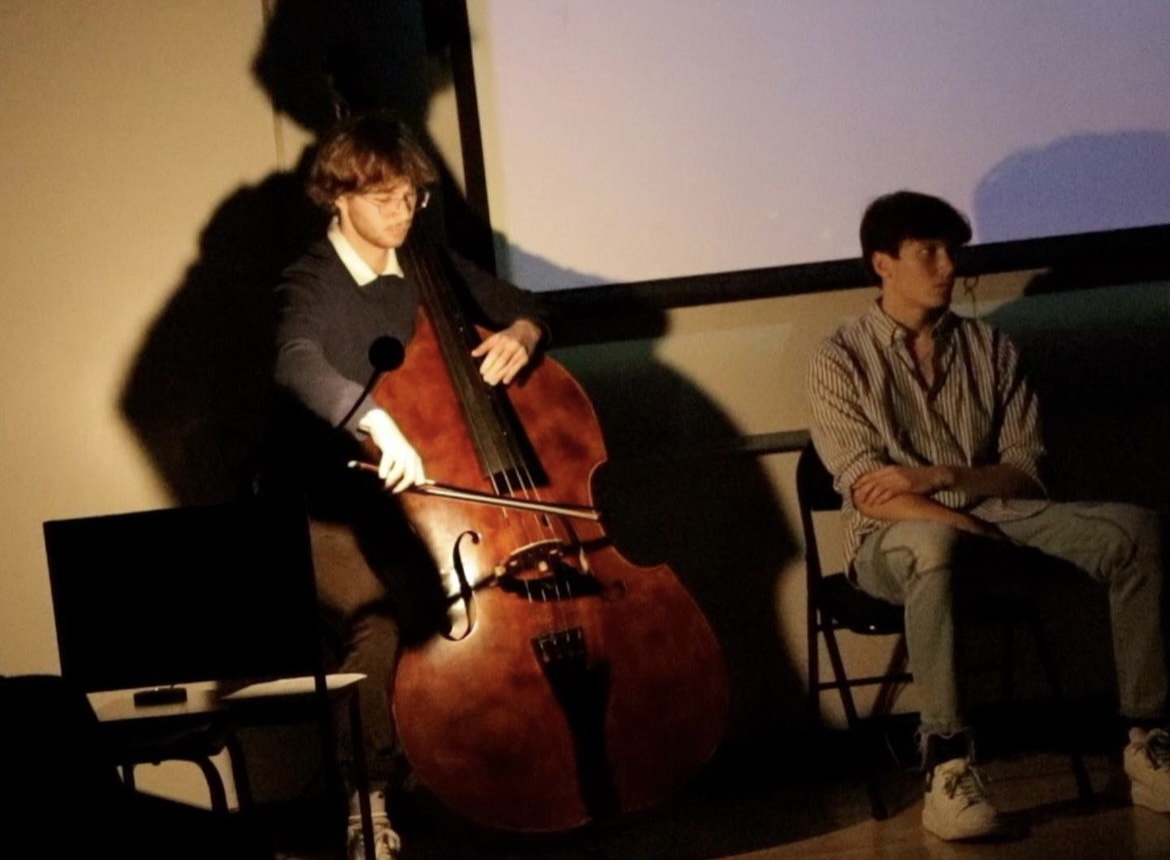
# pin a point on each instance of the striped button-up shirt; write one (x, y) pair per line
(871, 408)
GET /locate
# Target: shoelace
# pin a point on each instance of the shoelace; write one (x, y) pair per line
(1157, 748)
(968, 784)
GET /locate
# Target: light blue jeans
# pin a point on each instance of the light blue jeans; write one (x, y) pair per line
(928, 567)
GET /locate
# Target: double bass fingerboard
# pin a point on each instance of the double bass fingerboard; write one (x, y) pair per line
(502, 447)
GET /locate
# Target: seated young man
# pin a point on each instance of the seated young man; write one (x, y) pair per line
(932, 434)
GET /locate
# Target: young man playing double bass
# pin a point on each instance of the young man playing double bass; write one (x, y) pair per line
(932, 434)
(345, 294)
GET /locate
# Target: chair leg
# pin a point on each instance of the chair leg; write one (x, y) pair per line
(215, 786)
(1080, 773)
(877, 806)
(361, 775)
(239, 771)
(814, 668)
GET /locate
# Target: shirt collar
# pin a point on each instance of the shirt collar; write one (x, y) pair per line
(890, 332)
(361, 271)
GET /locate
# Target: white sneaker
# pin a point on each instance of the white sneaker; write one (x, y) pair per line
(1147, 763)
(387, 844)
(956, 805)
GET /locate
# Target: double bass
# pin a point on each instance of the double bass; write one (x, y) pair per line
(572, 686)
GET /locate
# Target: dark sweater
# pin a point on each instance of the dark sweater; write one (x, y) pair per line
(325, 326)
(327, 322)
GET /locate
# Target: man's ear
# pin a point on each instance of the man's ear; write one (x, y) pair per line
(882, 263)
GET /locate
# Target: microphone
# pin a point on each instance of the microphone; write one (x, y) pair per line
(386, 353)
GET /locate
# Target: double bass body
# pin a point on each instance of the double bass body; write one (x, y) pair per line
(578, 686)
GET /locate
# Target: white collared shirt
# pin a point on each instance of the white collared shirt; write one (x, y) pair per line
(361, 271)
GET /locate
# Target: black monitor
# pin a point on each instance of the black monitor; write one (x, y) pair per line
(179, 595)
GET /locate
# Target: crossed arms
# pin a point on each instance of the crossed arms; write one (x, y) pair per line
(894, 493)
(897, 453)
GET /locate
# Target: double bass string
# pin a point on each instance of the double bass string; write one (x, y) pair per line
(503, 463)
(488, 426)
(478, 401)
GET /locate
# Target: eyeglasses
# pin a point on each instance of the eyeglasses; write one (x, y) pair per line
(413, 199)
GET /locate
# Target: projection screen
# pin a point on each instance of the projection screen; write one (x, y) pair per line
(630, 140)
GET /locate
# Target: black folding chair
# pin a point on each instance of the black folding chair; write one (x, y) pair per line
(835, 604)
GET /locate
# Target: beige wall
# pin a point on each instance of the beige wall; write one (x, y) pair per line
(126, 123)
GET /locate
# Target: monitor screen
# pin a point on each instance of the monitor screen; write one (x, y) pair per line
(183, 594)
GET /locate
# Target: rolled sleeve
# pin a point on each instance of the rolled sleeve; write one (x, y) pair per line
(845, 439)
(1021, 442)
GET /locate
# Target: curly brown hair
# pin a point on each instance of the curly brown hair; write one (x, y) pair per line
(364, 152)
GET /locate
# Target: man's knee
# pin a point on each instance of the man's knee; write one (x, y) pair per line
(373, 643)
(1126, 537)
(918, 547)
(346, 585)
(911, 562)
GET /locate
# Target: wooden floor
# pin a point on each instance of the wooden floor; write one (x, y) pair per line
(757, 810)
(1035, 796)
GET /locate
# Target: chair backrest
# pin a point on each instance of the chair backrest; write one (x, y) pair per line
(178, 595)
(814, 493)
(814, 484)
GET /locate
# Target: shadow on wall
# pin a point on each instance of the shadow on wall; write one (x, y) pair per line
(1095, 334)
(199, 392)
(1099, 359)
(713, 518)
(1080, 184)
